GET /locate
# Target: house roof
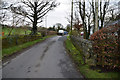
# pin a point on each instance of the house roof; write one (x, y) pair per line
(113, 23)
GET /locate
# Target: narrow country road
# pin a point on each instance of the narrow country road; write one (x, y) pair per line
(44, 60)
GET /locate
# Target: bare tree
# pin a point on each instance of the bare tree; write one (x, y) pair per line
(16, 20)
(68, 27)
(59, 26)
(77, 23)
(89, 20)
(3, 15)
(103, 8)
(103, 13)
(68, 19)
(85, 13)
(94, 5)
(83, 16)
(93, 12)
(34, 10)
(113, 12)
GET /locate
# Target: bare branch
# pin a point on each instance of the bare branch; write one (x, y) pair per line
(29, 4)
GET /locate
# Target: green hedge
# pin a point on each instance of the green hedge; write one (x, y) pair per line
(11, 41)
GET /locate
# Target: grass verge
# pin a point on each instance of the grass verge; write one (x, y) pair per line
(12, 50)
(84, 69)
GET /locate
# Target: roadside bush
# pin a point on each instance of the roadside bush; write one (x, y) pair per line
(43, 33)
(74, 32)
(17, 40)
(105, 47)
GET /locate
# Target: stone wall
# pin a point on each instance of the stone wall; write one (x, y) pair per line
(85, 47)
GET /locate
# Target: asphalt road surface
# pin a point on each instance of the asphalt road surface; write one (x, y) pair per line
(44, 60)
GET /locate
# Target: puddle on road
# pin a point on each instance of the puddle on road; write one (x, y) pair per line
(41, 57)
(46, 49)
(28, 69)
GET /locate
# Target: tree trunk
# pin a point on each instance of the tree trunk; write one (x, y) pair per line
(119, 44)
(102, 14)
(93, 11)
(89, 27)
(84, 23)
(10, 32)
(119, 40)
(34, 29)
(71, 16)
(35, 19)
(88, 32)
(85, 31)
(101, 24)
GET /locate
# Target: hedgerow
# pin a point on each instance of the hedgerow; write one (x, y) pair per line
(105, 47)
(11, 41)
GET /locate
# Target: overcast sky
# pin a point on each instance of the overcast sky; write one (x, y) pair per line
(59, 14)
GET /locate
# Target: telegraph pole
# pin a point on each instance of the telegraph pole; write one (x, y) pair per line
(96, 15)
(71, 15)
(46, 21)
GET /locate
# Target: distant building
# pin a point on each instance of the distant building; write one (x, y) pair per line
(119, 9)
(112, 23)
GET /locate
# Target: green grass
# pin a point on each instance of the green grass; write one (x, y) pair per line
(75, 53)
(17, 31)
(11, 50)
(84, 69)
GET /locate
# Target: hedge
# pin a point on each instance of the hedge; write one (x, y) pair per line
(11, 41)
(105, 47)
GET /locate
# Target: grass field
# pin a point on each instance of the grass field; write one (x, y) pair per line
(84, 69)
(15, 31)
